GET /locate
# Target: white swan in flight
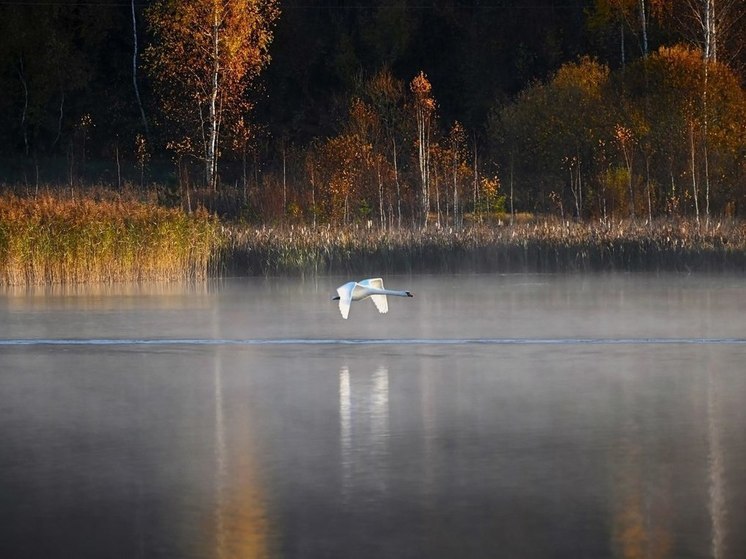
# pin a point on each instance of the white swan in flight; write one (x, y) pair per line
(359, 290)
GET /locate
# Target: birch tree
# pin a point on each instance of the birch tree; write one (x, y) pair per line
(424, 109)
(712, 19)
(458, 168)
(386, 95)
(634, 14)
(205, 56)
(714, 26)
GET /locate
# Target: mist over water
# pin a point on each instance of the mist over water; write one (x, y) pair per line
(533, 416)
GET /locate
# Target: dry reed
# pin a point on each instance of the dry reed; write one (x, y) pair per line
(49, 239)
(537, 246)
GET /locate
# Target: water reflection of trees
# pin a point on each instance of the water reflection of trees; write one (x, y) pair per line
(653, 495)
(641, 517)
(241, 523)
(716, 466)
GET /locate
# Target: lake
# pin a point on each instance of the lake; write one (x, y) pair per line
(490, 415)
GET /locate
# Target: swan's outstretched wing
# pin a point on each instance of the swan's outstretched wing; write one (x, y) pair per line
(345, 298)
(379, 300)
(375, 283)
(381, 303)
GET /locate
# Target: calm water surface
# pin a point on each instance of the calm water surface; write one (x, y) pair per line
(501, 416)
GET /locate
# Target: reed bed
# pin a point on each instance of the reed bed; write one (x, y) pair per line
(51, 240)
(538, 246)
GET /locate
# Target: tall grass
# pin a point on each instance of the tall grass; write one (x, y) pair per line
(50, 239)
(535, 246)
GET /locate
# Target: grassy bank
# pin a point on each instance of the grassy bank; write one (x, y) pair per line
(50, 239)
(546, 246)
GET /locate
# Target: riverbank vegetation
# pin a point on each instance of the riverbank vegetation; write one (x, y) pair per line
(533, 245)
(276, 136)
(101, 236)
(54, 239)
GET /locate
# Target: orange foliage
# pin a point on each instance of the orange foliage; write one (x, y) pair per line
(205, 56)
(422, 90)
(587, 76)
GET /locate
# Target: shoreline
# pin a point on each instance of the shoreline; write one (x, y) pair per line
(53, 241)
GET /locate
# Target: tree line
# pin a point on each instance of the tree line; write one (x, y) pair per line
(386, 113)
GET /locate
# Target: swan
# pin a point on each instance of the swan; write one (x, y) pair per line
(359, 290)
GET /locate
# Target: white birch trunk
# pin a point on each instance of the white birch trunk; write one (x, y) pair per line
(396, 180)
(423, 134)
(381, 210)
(456, 221)
(512, 212)
(694, 173)
(213, 116)
(134, 72)
(644, 28)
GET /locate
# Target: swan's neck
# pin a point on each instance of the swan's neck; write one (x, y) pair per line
(393, 292)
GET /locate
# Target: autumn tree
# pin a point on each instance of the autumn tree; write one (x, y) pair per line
(515, 137)
(458, 168)
(342, 162)
(385, 95)
(364, 124)
(580, 118)
(715, 27)
(204, 57)
(713, 22)
(424, 111)
(625, 140)
(700, 142)
(344, 168)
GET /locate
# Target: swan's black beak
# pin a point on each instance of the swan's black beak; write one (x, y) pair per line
(337, 298)
(409, 294)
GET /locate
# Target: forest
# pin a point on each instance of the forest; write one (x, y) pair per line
(382, 113)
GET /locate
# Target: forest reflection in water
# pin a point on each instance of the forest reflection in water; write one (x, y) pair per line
(634, 471)
(395, 449)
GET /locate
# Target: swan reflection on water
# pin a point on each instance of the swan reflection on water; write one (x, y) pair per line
(364, 429)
